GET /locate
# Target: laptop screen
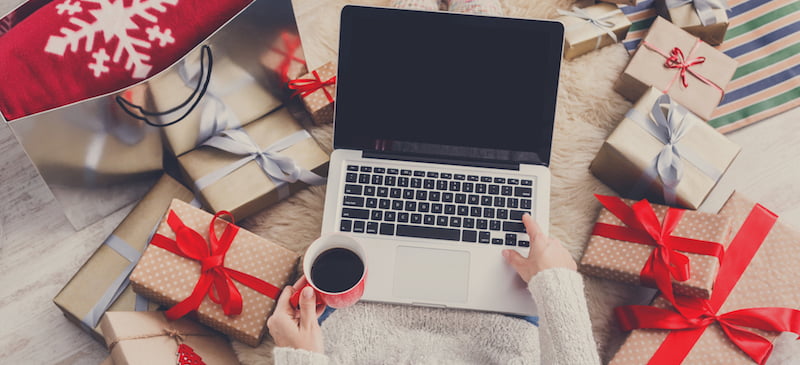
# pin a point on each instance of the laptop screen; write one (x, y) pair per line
(444, 84)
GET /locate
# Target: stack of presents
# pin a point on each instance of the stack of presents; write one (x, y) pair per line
(728, 284)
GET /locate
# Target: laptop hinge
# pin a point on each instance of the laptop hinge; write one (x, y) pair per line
(442, 160)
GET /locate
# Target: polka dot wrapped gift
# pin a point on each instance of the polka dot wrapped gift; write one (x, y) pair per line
(230, 277)
(318, 90)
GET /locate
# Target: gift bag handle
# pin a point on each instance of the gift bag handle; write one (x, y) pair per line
(201, 88)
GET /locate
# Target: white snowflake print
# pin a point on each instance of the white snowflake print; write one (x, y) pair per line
(114, 20)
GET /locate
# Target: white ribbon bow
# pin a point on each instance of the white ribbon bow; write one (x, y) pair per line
(704, 9)
(598, 21)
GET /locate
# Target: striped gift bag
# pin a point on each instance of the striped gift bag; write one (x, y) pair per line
(764, 37)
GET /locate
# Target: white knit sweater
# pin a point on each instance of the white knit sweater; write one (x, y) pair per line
(370, 333)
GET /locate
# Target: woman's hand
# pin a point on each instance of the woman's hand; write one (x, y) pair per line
(294, 328)
(545, 253)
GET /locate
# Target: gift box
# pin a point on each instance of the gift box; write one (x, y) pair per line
(243, 171)
(755, 297)
(135, 338)
(232, 287)
(704, 19)
(233, 98)
(624, 2)
(621, 249)
(592, 27)
(284, 59)
(317, 89)
(693, 73)
(664, 153)
(101, 284)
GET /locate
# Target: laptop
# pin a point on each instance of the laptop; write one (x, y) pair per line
(442, 136)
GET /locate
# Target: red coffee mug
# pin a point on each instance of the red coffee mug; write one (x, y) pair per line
(338, 299)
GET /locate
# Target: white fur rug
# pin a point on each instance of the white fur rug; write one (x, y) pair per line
(588, 110)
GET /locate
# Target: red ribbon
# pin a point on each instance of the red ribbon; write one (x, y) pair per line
(676, 60)
(216, 280)
(644, 228)
(292, 45)
(697, 314)
(305, 87)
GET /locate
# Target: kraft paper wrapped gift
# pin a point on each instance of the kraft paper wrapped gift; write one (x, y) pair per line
(255, 267)
(705, 19)
(768, 280)
(317, 89)
(664, 153)
(102, 283)
(234, 97)
(693, 73)
(245, 170)
(135, 338)
(284, 59)
(623, 261)
(590, 28)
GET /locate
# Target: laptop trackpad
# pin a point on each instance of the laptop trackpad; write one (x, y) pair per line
(427, 274)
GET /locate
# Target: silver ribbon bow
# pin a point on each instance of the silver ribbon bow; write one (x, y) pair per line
(704, 9)
(598, 21)
(669, 128)
(280, 169)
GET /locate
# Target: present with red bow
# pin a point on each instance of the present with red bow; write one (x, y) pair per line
(693, 73)
(756, 296)
(285, 60)
(229, 277)
(317, 89)
(656, 246)
(664, 153)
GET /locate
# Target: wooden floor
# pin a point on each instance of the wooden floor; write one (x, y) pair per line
(39, 249)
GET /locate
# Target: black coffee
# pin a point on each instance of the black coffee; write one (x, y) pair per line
(336, 270)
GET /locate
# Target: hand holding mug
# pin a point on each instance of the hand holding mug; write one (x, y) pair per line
(297, 328)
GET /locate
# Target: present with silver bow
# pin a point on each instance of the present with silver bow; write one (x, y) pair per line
(101, 284)
(663, 152)
(234, 97)
(244, 170)
(704, 19)
(590, 28)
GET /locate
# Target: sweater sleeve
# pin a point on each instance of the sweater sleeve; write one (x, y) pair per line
(565, 332)
(287, 355)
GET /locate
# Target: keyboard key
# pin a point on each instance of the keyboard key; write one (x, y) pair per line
(459, 176)
(461, 198)
(472, 178)
(446, 175)
(428, 232)
(429, 184)
(525, 204)
(497, 241)
(507, 190)
(397, 205)
(455, 186)
(473, 199)
(450, 209)
(364, 178)
(523, 243)
(372, 227)
(441, 184)
(416, 183)
(436, 208)
(480, 188)
(511, 239)
(467, 187)
(494, 189)
(366, 169)
(499, 180)
(390, 180)
(402, 217)
(516, 215)
(351, 177)
(419, 173)
(390, 216)
(369, 190)
(512, 181)
(494, 225)
(484, 237)
(383, 192)
(441, 220)
(345, 225)
(469, 236)
(523, 192)
(429, 219)
(392, 171)
(455, 222)
(512, 202)
(377, 215)
(432, 174)
(434, 196)
(463, 210)
(499, 201)
(377, 179)
(402, 182)
(408, 193)
(416, 218)
(372, 203)
(486, 179)
(355, 213)
(352, 189)
(488, 212)
(513, 227)
(422, 195)
(502, 214)
(358, 226)
(353, 201)
(475, 211)
(424, 207)
(352, 168)
(379, 170)
(486, 201)
(395, 193)
(387, 229)
(527, 182)
(384, 203)
(468, 222)
(405, 172)
(447, 197)
(482, 224)
(411, 206)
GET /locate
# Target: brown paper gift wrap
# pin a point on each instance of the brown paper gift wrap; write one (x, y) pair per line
(233, 98)
(684, 14)
(588, 29)
(285, 59)
(647, 68)
(631, 150)
(769, 281)
(623, 261)
(168, 278)
(94, 287)
(224, 183)
(317, 89)
(136, 338)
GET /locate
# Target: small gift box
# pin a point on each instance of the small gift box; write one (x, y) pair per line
(704, 19)
(640, 243)
(693, 73)
(663, 152)
(317, 89)
(101, 284)
(756, 296)
(135, 338)
(284, 59)
(233, 98)
(227, 275)
(592, 27)
(245, 170)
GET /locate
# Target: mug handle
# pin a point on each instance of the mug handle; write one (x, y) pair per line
(294, 300)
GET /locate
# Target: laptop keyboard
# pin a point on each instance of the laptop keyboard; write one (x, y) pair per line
(438, 205)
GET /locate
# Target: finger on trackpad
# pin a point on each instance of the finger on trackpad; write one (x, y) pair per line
(428, 274)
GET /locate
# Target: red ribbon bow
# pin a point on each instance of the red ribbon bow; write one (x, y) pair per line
(697, 314)
(644, 228)
(305, 87)
(292, 44)
(216, 280)
(676, 60)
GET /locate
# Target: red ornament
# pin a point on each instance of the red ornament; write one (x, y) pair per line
(187, 356)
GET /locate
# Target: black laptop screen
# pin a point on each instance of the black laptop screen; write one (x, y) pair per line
(447, 84)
